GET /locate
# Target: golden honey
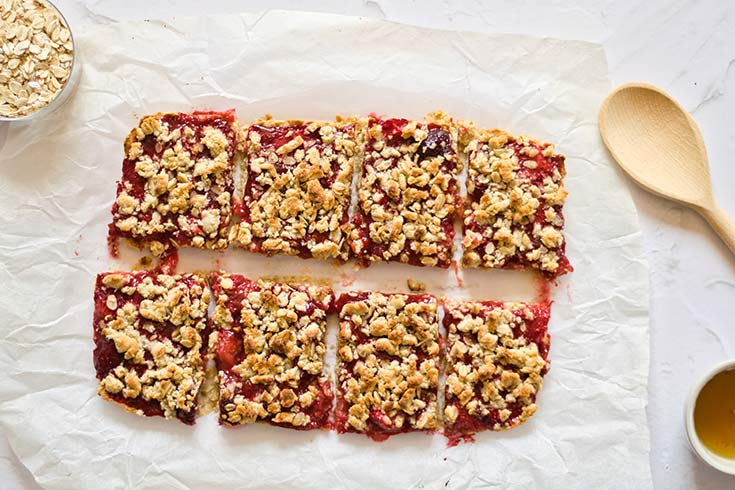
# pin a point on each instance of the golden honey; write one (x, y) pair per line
(714, 414)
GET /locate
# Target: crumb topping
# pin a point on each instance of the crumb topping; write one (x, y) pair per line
(270, 352)
(389, 361)
(407, 196)
(297, 190)
(149, 336)
(177, 181)
(415, 286)
(515, 192)
(497, 360)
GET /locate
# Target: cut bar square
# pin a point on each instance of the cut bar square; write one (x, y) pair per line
(297, 187)
(177, 182)
(497, 357)
(269, 351)
(408, 193)
(389, 358)
(150, 331)
(515, 194)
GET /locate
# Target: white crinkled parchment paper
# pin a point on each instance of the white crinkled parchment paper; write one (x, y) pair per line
(58, 182)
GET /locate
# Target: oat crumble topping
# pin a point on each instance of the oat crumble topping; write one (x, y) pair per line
(407, 196)
(297, 186)
(270, 352)
(496, 362)
(415, 286)
(388, 363)
(177, 183)
(150, 332)
(513, 217)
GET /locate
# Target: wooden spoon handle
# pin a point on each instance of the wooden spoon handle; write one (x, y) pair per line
(721, 223)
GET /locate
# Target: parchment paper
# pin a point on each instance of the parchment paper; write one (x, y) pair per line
(58, 183)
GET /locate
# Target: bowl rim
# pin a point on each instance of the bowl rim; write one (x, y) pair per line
(716, 461)
(51, 105)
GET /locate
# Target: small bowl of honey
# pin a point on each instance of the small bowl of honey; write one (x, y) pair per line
(710, 417)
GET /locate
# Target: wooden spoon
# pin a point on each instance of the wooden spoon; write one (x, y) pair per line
(659, 145)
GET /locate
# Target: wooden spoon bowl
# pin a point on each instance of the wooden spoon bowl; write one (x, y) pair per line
(660, 146)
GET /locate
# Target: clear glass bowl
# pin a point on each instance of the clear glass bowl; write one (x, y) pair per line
(66, 90)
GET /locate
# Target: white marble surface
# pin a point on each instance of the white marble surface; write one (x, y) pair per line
(685, 46)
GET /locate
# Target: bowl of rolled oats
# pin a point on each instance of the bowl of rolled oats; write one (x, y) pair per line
(38, 70)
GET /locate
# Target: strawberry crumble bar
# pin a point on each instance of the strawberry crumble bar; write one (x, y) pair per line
(269, 343)
(408, 194)
(497, 357)
(176, 183)
(513, 217)
(150, 331)
(297, 177)
(388, 364)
